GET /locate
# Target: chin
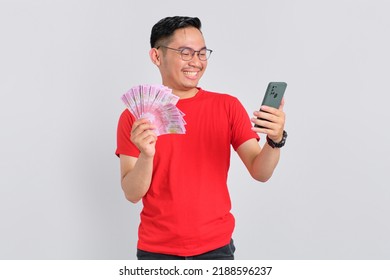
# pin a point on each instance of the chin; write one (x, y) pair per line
(191, 84)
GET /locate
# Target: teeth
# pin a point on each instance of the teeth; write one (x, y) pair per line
(190, 73)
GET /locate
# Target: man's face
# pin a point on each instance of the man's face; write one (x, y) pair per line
(176, 73)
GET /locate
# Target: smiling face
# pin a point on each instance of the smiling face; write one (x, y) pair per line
(179, 75)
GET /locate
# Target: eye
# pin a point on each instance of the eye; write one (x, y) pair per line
(202, 54)
(186, 52)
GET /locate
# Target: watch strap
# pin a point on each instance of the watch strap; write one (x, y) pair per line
(279, 144)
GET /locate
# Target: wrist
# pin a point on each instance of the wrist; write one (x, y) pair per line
(277, 144)
(276, 140)
(146, 156)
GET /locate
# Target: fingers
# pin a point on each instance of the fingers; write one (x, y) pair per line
(140, 126)
(271, 121)
(142, 134)
(269, 117)
(269, 114)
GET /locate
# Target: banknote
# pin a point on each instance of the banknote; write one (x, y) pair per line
(158, 104)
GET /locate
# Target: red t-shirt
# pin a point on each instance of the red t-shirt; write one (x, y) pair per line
(186, 210)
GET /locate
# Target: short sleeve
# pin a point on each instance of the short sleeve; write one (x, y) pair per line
(240, 124)
(124, 144)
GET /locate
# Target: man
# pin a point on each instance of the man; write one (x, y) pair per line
(182, 178)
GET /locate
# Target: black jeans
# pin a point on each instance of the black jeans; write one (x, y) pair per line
(224, 253)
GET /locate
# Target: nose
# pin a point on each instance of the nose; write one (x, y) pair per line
(195, 60)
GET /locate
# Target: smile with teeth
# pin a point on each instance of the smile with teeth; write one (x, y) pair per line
(190, 73)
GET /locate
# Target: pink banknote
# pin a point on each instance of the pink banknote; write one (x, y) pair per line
(158, 104)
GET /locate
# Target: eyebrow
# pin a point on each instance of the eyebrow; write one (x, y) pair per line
(187, 47)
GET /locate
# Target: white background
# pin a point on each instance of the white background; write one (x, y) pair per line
(65, 64)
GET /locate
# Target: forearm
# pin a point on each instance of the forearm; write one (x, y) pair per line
(136, 182)
(265, 163)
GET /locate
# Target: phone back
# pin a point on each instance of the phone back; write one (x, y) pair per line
(274, 94)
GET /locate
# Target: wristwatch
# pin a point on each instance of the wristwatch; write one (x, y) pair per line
(280, 144)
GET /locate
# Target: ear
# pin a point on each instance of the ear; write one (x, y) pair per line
(155, 56)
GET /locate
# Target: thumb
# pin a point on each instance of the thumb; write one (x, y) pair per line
(281, 104)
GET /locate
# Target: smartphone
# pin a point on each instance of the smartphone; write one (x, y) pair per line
(273, 95)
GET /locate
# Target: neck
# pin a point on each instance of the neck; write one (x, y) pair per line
(183, 94)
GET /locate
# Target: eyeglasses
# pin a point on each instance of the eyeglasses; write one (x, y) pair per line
(187, 53)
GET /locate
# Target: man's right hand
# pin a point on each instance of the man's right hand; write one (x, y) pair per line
(144, 137)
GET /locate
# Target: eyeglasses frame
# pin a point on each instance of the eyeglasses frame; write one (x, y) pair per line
(186, 48)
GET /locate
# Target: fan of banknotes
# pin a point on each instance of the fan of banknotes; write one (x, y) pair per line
(158, 104)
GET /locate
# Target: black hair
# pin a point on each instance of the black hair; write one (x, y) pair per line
(165, 28)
